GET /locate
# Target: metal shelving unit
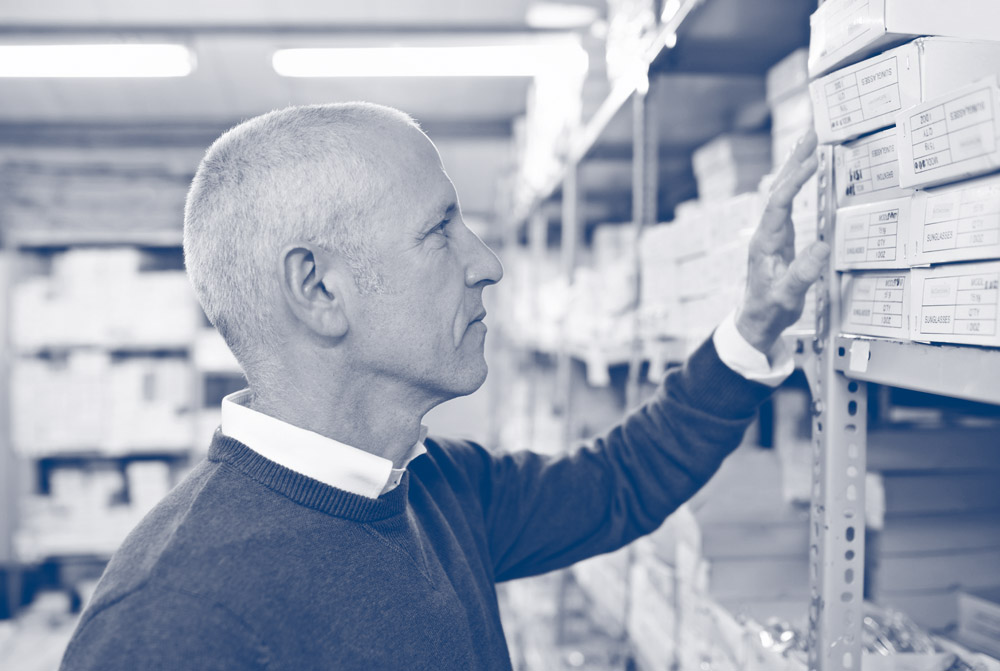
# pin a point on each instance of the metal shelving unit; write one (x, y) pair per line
(969, 373)
(837, 512)
(838, 367)
(27, 472)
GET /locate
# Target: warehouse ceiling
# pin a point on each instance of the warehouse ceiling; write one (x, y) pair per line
(470, 118)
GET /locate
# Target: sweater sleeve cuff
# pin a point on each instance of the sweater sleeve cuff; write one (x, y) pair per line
(742, 357)
(716, 388)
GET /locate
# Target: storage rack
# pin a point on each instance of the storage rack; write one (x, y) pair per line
(837, 367)
(26, 473)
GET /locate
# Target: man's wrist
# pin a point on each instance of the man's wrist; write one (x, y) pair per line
(758, 332)
(739, 354)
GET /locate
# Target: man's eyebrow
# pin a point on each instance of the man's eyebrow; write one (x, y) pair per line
(436, 218)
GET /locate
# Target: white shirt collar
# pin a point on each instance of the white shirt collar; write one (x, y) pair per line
(306, 452)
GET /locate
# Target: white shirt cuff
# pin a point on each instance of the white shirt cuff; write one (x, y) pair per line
(745, 359)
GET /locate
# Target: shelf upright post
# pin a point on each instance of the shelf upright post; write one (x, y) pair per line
(837, 514)
(569, 251)
(645, 172)
(9, 463)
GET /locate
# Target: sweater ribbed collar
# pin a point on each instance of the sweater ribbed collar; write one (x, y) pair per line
(304, 490)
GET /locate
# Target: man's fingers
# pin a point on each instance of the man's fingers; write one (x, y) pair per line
(784, 191)
(803, 271)
(804, 148)
(796, 171)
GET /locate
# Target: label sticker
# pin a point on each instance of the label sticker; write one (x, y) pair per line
(878, 301)
(870, 165)
(863, 95)
(960, 305)
(957, 130)
(962, 218)
(860, 354)
(870, 236)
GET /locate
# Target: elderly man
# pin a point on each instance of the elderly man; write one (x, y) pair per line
(325, 530)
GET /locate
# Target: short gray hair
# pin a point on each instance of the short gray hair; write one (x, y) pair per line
(300, 173)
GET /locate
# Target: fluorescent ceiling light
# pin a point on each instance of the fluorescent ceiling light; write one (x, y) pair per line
(510, 60)
(96, 60)
(559, 15)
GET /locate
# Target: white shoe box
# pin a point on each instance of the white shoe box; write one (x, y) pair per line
(959, 222)
(950, 138)
(957, 303)
(873, 236)
(867, 96)
(844, 31)
(876, 304)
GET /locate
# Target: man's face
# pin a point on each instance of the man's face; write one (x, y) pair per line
(424, 333)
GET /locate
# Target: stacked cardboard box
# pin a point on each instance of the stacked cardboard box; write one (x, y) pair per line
(87, 512)
(103, 405)
(931, 106)
(917, 250)
(731, 164)
(791, 117)
(100, 296)
(693, 269)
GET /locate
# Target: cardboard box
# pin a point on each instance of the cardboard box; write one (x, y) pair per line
(957, 303)
(979, 619)
(960, 222)
(791, 118)
(867, 96)
(952, 137)
(731, 149)
(867, 169)
(873, 236)
(787, 76)
(876, 304)
(844, 31)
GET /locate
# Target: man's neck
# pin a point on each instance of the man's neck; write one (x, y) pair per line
(378, 427)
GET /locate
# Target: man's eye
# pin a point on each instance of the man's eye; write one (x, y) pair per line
(440, 227)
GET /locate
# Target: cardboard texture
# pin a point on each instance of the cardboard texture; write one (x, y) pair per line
(979, 619)
(845, 31)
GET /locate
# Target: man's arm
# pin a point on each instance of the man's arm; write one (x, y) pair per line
(545, 513)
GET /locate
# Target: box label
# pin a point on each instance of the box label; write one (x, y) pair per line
(863, 95)
(878, 301)
(870, 165)
(963, 218)
(960, 305)
(960, 129)
(870, 236)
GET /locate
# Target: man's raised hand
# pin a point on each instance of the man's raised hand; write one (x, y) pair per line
(777, 280)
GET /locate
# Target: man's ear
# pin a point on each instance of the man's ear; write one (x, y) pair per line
(313, 288)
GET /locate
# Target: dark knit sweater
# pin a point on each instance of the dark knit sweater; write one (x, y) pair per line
(249, 565)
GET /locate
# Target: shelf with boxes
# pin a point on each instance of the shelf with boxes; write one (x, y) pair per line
(602, 296)
(108, 363)
(909, 202)
(823, 576)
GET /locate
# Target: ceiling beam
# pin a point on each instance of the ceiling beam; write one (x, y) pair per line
(352, 30)
(199, 134)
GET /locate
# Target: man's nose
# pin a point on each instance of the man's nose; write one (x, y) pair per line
(483, 265)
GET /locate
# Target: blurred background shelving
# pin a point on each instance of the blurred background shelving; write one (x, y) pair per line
(620, 199)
